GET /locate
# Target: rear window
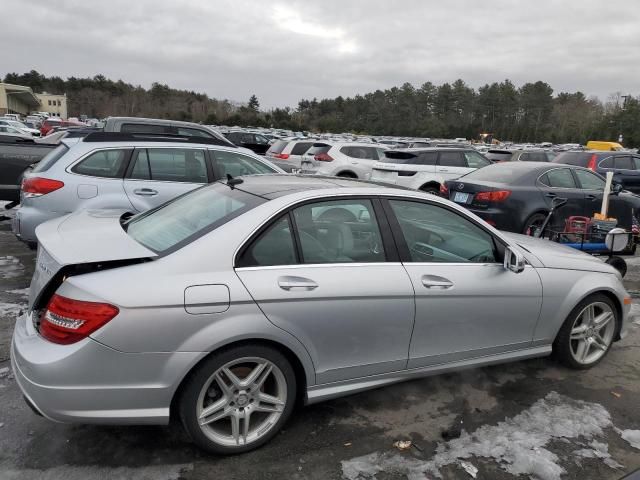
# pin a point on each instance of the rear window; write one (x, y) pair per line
(497, 172)
(190, 216)
(300, 147)
(50, 158)
(318, 148)
(498, 156)
(278, 146)
(534, 157)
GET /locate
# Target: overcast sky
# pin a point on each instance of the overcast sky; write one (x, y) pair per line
(287, 50)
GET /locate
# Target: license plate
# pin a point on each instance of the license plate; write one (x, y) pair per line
(461, 197)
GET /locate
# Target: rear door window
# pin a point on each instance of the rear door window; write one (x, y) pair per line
(534, 157)
(194, 132)
(589, 180)
(171, 165)
(624, 162)
(364, 153)
(273, 247)
(103, 163)
(236, 164)
(559, 178)
(451, 159)
(145, 128)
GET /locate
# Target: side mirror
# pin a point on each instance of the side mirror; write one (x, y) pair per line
(513, 260)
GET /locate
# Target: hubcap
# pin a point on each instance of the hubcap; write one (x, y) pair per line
(242, 401)
(592, 333)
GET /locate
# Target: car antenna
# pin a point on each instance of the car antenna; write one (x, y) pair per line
(233, 181)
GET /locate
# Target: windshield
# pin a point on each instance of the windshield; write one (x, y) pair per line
(180, 221)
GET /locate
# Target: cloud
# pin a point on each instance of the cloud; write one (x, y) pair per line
(283, 52)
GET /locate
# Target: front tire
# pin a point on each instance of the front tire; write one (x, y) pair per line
(588, 332)
(238, 399)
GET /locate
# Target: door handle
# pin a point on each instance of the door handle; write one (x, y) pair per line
(145, 192)
(591, 197)
(444, 170)
(551, 195)
(436, 283)
(287, 283)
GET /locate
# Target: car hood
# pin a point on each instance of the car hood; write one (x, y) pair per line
(554, 255)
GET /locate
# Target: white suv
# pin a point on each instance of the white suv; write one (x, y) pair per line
(426, 169)
(342, 159)
(287, 154)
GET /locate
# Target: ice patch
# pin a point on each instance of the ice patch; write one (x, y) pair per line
(598, 450)
(632, 437)
(10, 267)
(10, 309)
(22, 292)
(517, 444)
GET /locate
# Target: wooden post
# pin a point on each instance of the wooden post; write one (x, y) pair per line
(605, 195)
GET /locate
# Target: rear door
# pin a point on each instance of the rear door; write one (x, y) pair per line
(451, 165)
(336, 285)
(360, 159)
(560, 182)
(157, 175)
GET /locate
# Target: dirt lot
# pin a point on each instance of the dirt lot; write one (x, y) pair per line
(528, 418)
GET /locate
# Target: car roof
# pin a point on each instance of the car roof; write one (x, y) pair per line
(432, 149)
(271, 186)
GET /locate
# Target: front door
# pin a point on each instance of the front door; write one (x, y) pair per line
(335, 285)
(467, 304)
(157, 175)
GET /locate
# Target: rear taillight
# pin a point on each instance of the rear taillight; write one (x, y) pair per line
(282, 156)
(592, 162)
(323, 157)
(68, 321)
(444, 190)
(497, 196)
(36, 186)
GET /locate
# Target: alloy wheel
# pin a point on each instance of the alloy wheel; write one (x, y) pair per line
(592, 333)
(242, 401)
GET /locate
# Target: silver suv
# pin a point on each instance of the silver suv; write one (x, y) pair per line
(122, 170)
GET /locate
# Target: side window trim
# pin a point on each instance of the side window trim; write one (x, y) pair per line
(575, 180)
(403, 248)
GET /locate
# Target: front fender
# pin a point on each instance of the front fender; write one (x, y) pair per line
(562, 290)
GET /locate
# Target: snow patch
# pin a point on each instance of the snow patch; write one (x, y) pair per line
(22, 292)
(632, 437)
(10, 267)
(517, 444)
(598, 450)
(11, 309)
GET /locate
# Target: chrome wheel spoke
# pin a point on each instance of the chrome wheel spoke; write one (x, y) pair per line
(235, 428)
(269, 403)
(578, 333)
(214, 412)
(226, 390)
(232, 377)
(599, 342)
(602, 320)
(587, 316)
(251, 379)
(245, 425)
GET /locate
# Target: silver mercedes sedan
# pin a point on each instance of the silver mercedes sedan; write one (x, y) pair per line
(230, 304)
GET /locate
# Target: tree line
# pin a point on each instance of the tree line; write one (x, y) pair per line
(529, 113)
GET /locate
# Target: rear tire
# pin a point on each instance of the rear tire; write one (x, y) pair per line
(587, 334)
(238, 399)
(533, 222)
(430, 189)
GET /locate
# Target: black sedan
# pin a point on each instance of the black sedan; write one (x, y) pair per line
(516, 196)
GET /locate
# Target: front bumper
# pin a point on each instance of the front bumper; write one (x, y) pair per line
(88, 382)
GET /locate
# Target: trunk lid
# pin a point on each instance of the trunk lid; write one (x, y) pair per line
(93, 237)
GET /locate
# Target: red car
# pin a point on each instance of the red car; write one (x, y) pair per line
(49, 123)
